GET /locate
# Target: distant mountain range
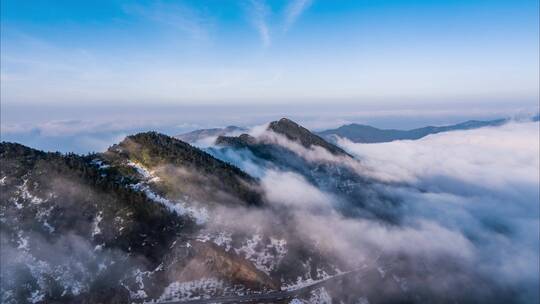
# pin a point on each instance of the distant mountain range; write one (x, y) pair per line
(357, 133)
(367, 134)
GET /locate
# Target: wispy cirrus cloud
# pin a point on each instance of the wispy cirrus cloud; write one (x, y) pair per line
(259, 15)
(294, 10)
(260, 12)
(178, 17)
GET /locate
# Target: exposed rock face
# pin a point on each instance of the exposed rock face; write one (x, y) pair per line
(210, 260)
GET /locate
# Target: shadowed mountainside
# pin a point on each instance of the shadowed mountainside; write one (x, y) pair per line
(96, 229)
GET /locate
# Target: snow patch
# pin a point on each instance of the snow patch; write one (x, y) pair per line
(302, 282)
(48, 226)
(182, 291)
(199, 215)
(26, 195)
(144, 172)
(139, 293)
(320, 296)
(22, 241)
(63, 274)
(23, 193)
(17, 204)
(96, 230)
(36, 296)
(264, 257)
(363, 300)
(222, 239)
(42, 215)
(99, 247)
(100, 164)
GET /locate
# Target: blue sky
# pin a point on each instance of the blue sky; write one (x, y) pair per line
(281, 52)
(80, 75)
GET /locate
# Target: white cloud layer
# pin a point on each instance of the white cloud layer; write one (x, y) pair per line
(482, 184)
(465, 197)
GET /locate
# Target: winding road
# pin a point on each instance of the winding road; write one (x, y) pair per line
(271, 296)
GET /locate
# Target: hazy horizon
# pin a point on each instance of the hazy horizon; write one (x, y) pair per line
(87, 129)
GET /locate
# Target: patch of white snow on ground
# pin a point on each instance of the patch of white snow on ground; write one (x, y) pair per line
(265, 257)
(42, 215)
(100, 164)
(182, 291)
(320, 296)
(26, 195)
(222, 239)
(139, 280)
(23, 193)
(48, 226)
(17, 204)
(143, 171)
(22, 241)
(302, 282)
(363, 300)
(200, 215)
(96, 230)
(62, 274)
(36, 296)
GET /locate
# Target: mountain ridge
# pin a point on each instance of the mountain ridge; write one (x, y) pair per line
(296, 132)
(118, 217)
(154, 150)
(355, 132)
(368, 134)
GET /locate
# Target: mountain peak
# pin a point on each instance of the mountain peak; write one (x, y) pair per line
(296, 132)
(153, 150)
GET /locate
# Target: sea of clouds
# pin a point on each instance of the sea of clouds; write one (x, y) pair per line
(468, 206)
(481, 184)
